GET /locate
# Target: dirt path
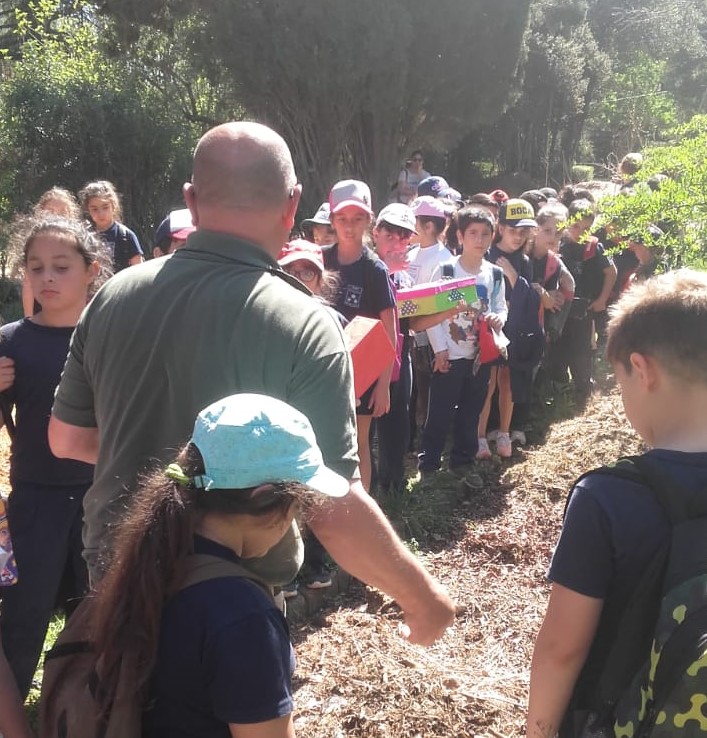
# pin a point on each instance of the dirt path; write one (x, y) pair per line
(357, 677)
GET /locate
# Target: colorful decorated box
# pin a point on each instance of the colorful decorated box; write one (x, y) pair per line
(371, 351)
(434, 297)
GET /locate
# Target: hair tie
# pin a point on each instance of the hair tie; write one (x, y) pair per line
(175, 472)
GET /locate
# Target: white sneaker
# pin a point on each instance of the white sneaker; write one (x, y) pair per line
(492, 435)
(504, 447)
(484, 451)
(518, 437)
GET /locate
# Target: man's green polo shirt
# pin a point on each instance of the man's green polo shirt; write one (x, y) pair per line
(164, 339)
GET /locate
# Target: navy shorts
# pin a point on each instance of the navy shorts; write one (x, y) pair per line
(362, 408)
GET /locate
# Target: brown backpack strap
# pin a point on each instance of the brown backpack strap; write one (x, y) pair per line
(204, 567)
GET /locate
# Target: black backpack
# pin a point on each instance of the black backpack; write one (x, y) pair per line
(653, 681)
(71, 684)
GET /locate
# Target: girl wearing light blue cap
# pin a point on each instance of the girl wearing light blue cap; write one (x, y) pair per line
(212, 653)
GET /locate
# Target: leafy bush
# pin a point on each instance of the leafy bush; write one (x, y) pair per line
(679, 206)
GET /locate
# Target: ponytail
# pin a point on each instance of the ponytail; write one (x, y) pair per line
(150, 551)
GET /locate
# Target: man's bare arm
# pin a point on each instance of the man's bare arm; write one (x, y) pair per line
(357, 534)
(72, 441)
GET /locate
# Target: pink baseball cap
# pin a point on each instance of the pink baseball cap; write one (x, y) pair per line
(350, 193)
(301, 250)
(427, 206)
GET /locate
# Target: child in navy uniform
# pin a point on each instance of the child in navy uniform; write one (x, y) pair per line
(594, 275)
(515, 224)
(63, 264)
(657, 345)
(101, 203)
(215, 657)
(364, 289)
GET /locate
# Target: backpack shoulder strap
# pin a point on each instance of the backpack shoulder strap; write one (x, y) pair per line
(122, 234)
(497, 276)
(678, 503)
(624, 468)
(204, 567)
(590, 248)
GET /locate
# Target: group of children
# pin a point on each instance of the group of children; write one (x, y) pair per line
(543, 285)
(540, 282)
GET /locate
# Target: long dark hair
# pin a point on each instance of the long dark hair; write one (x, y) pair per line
(150, 550)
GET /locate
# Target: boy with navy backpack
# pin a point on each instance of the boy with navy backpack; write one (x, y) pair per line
(623, 645)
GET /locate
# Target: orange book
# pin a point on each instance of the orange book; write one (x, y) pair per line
(371, 351)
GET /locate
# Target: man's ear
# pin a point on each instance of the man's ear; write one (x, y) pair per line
(190, 200)
(157, 252)
(291, 207)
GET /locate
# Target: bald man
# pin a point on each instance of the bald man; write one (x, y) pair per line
(164, 339)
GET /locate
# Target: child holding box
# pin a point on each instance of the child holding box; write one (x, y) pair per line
(364, 289)
(457, 388)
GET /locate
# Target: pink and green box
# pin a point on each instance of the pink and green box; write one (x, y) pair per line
(434, 297)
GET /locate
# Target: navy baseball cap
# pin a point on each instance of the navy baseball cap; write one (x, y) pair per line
(433, 186)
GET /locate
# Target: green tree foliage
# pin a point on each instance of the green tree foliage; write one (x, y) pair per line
(679, 206)
(634, 109)
(562, 76)
(562, 73)
(352, 86)
(68, 114)
(599, 79)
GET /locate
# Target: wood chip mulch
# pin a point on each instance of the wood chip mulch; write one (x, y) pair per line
(357, 676)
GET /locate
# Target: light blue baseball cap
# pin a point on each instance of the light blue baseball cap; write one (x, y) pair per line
(247, 440)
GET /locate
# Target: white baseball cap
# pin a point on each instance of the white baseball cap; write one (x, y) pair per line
(399, 215)
(350, 192)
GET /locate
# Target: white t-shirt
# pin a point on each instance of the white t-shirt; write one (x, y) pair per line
(423, 263)
(406, 190)
(459, 336)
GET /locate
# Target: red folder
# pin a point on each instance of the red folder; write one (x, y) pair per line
(371, 351)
